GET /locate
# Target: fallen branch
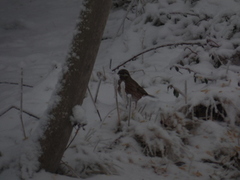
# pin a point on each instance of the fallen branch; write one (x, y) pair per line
(155, 48)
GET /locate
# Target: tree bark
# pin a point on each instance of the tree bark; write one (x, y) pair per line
(74, 82)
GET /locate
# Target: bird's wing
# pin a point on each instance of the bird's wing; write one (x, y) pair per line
(141, 90)
(133, 88)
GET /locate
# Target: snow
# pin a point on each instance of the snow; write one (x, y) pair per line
(79, 115)
(192, 136)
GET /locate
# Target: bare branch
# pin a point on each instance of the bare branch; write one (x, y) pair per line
(191, 50)
(212, 43)
(185, 14)
(78, 128)
(117, 105)
(14, 107)
(99, 115)
(21, 104)
(158, 47)
(185, 68)
(13, 83)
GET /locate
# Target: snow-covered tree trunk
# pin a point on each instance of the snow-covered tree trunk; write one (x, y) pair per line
(73, 85)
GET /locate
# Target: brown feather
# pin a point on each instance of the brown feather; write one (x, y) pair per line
(131, 86)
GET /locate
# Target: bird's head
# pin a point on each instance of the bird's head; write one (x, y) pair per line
(123, 74)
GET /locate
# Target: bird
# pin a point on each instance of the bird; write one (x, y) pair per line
(131, 86)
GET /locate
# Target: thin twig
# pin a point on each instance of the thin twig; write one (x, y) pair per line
(110, 63)
(107, 116)
(71, 169)
(185, 14)
(213, 43)
(185, 86)
(97, 91)
(130, 109)
(21, 105)
(141, 109)
(13, 83)
(116, 141)
(101, 78)
(182, 67)
(176, 89)
(191, 50)
(14, 107)
(116, 98)
(157, 47)
(78, 128)
(124, 18)
(206, 18)
(99, 115)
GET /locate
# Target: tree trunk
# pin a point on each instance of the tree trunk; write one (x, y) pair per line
(74, 82)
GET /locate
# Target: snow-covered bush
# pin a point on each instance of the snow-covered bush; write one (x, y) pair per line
(184, 52)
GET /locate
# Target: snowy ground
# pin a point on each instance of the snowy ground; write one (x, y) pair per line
(167, 137)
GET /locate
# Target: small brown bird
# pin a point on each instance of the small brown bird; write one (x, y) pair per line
(131, 86)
